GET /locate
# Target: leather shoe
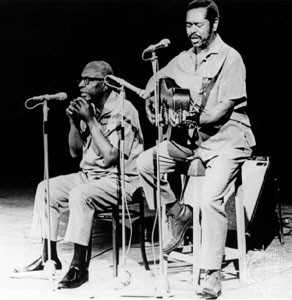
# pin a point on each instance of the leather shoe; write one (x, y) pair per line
(177, 226)
(211, 286)
(37, 265)
(74, 278)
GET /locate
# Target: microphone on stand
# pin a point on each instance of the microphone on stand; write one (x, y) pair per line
(59, 97)
(164, 43)
(142, 93)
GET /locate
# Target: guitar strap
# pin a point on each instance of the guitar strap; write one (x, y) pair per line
(207, 85)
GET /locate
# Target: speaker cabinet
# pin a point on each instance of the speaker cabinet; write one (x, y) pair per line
(253, 174)
(259, 198)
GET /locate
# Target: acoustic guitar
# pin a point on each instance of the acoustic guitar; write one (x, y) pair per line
(176, 101)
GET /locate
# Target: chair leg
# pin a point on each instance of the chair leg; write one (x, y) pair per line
(196, 245)
(280, 219)
(142, 234)
(115, 241)
(89, 251)
(240, 227)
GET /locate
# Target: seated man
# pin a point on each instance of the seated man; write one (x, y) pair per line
(214, 74)
(94, 137)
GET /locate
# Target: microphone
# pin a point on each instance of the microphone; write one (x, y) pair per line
(142, 93)
(164, 43)
(59, 97)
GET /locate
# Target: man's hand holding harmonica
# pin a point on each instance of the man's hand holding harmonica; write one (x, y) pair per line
(80, 109)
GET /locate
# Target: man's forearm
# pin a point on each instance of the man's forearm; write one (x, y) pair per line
(75, 141)
(218, 114)
(101, 143)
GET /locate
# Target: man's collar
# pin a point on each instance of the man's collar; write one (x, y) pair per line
(110, 103)
(215, 46)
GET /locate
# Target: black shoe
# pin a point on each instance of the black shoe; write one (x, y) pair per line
(177, 226)
(74, 278)
(37, 265)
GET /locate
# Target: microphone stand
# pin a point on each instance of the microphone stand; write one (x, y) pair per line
(50, 266)
(125, 275)
(162, 288)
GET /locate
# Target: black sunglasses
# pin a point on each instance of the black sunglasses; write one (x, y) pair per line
(87, 79)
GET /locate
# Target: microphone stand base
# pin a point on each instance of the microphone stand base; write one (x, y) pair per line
(50, 271)
(125, 276)
(162, 289)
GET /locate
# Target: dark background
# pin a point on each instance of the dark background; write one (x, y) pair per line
(46, 43)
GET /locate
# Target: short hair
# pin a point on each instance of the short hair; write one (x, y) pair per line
(102, 66)
(212, 9)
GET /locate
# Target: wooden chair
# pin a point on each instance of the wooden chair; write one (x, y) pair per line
(136, 210)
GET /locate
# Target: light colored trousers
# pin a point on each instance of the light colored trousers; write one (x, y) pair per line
(82, 197)
(221, 171)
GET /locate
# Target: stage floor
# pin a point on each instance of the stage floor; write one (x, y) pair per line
(269, 272)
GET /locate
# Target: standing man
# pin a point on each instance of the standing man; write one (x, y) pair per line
(94, 137)
(214, 74)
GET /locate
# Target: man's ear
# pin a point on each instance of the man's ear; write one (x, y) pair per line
(215, 25)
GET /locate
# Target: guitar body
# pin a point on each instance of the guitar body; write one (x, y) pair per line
(178, 100)
(172, 96)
